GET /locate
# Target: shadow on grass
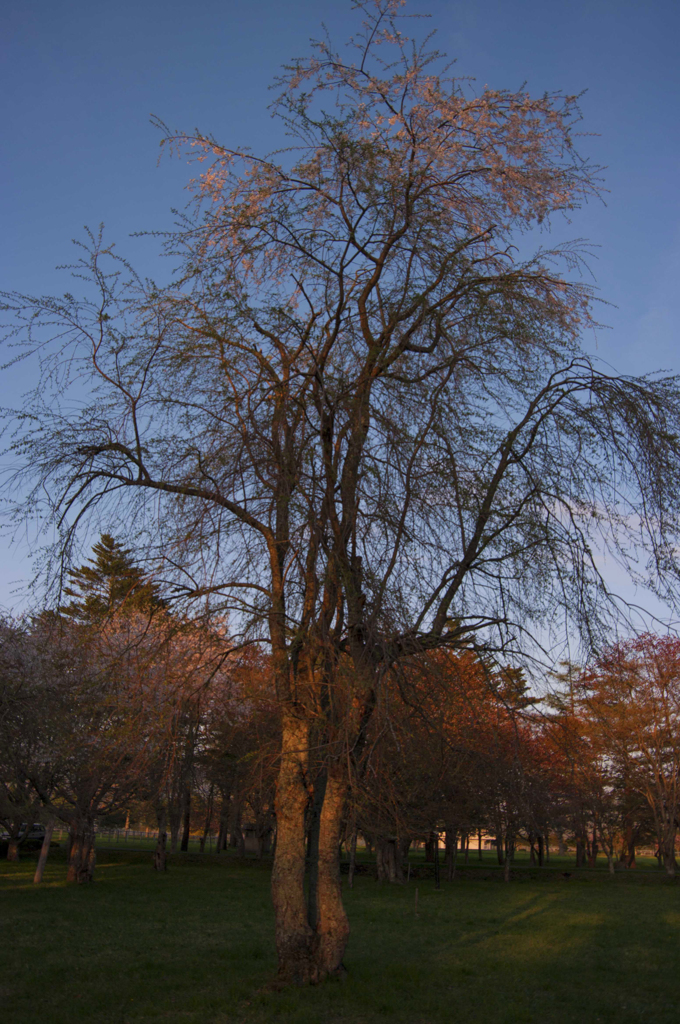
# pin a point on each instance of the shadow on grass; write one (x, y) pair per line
(198, 943)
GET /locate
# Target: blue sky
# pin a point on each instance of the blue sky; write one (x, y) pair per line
(79, 81)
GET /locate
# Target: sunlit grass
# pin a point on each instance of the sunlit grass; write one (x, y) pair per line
(198, 945)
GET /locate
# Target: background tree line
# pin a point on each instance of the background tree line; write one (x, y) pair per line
(113, 706)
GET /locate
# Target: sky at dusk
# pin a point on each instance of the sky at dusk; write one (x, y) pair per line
(80, 81)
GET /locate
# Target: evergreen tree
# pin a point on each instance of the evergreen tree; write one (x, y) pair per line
(110, 582)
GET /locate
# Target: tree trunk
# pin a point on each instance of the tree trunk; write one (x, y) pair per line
(236, 837)
(160, 857)
(539, 843)
(82, 854)
(669, 861)
(594, 850)
(332, 927)
(13, 848)
(509, 854)
(208, 820)
(429, 847)
(630, 847)
(352, 858)
(451, 853)
(44, 852)
(479, 844)
(187, 820)
(294, 936)
(389, 860)
(437, 875)
(403, 847)
(175, 820)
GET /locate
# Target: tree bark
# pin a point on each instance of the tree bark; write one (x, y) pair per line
(332, 927)
(669, 861)
(208, 820)
(294, 936)
(13, 848)
(175, 819)
(44, 852)
(451, 853)
(352, 859)
(184, 846)
(509, 854)
(630, 847)
(82, 854)
(160, 857)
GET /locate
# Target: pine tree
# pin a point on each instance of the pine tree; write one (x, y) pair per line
(112, 581)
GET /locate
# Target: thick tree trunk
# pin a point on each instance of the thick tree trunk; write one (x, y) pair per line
(388, 858)
(160, 857)
(332, 927)
(294, 936)
(44, 852)
(539, 841)
(13, 848)
(82, 854)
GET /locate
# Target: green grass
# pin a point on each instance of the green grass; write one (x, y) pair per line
(197, 945)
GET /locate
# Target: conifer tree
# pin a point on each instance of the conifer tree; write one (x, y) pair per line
(111, 582)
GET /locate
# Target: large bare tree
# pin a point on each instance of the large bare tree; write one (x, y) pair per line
(360, 418)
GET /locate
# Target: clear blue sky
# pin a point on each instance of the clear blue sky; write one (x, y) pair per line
(79, 80)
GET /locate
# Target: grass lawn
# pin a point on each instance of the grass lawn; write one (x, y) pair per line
(197, 945)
